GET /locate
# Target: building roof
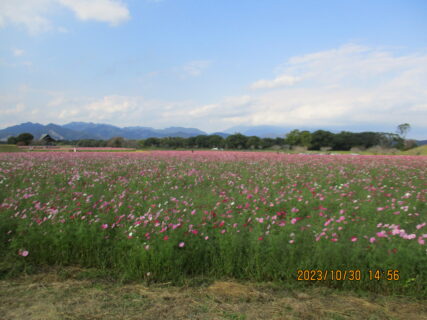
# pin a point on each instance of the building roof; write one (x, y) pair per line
(46, 137)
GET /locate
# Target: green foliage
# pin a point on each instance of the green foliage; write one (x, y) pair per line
(254, 142)
(12, 140)
(299, 138)
(116, 142)
(91, 143)
(403, 129)
(236, 141)
(321, 138)
(317, 140)
(25, 138)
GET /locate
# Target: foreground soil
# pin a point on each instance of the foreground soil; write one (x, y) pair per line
(51, 295)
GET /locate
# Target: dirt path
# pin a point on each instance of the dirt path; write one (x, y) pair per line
(49, 296)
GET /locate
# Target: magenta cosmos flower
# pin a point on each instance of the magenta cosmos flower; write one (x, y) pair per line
(23, 253)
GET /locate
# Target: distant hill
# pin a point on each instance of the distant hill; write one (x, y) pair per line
(221, 134)
(99, 131)
(259, 131)
(89, 130)
(37, 130)
(421, 150)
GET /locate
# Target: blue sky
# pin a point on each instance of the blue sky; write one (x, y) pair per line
(356, 65)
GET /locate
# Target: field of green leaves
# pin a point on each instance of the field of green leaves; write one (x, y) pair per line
(354, 222)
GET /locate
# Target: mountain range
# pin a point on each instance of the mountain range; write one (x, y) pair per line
(89, 130)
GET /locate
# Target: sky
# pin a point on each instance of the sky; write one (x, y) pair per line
(214, 64)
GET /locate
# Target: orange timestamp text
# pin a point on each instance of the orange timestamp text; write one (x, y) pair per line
(350, 275)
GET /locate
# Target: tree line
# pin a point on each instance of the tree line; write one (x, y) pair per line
(317, 140)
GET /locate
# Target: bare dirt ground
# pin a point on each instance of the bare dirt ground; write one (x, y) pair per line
(51, 296)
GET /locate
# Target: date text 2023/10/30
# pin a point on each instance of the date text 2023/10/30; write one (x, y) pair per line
(351, 275)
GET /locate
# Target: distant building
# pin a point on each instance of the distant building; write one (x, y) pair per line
(47, 140)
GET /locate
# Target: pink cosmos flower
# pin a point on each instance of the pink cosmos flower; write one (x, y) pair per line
(421, 225)
(327, 222)
(381, 234)
(421, 241)
(23, 253)
(104, 226)
(353, 239)
(372, 240)
(294, 220)
(181, 244)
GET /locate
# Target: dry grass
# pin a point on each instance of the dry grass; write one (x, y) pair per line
(49, 296)
(418, 151)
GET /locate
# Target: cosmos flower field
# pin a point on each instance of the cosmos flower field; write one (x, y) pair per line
(172, 215)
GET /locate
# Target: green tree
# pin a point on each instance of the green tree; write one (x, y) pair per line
(152, 142)
(267, 143)
(141, 144)
(202, 141)
(216, 141)
(403, 129)
(25, 138)
(236, 141)
(254, 142)
(293, 138)
(116, 142)
(305, 138)
(12, 140)
(321, 138)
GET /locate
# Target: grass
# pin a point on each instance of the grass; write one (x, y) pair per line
(9, 148)
(421, 150)
(53, 295)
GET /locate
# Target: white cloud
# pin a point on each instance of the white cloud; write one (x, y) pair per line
(29, 13)
(280, 81)
(112, 104)
(348, 85)
(111, 11)
(344, 87)
(196, 67)
(34, 14)
(18, 52)
(19, 108)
